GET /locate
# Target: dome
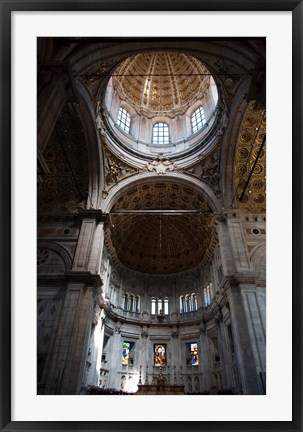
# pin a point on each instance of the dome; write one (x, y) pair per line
(161, 83)
(161, 103)
(148, 239)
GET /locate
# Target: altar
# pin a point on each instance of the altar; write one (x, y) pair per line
(160, 387)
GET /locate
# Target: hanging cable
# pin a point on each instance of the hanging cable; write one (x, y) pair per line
(248, 157)
(253, 167)
(225, 74)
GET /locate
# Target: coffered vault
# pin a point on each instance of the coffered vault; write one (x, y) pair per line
(160, 242)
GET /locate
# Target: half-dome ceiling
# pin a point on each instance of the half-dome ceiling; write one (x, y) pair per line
(160, 243)
(161, 82)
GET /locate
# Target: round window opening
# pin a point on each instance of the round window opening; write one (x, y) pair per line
(256, 231)
(161, 103)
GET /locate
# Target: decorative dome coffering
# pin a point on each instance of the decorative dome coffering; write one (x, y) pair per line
(161, 83)
(160, 243)
(152, 101)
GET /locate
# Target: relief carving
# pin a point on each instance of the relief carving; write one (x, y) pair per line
(208, 170)
(116, 170)
(93, 80)
(99, 121)
(160, 165)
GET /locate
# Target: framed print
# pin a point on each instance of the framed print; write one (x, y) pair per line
(149, 269)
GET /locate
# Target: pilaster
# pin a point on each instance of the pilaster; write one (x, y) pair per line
(71, 340)
(248, 371)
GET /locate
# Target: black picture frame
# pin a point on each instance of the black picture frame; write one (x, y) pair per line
(6, 8)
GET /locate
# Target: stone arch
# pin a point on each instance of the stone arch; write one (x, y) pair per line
(237, 112)
(258, 258)
(94, 145)
(148, 177)
(60, 250)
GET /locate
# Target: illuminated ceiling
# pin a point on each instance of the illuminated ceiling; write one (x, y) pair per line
(160, 244)
(161, 82)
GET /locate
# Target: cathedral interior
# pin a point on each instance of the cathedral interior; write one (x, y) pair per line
(151, 216)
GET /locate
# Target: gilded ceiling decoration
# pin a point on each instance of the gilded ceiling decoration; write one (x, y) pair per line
(160, 243)
(161, 82)
(230, 73)
(208, 170)
(249, 143)
(65, 185)
(94, 79)
(115, 169)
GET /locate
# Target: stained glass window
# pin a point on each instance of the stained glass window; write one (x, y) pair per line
(160, 133)
(160, 355)
(123, 120)
(198, 119)
(127, 353)
(192, 356)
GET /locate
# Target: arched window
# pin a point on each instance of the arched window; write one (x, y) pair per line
(209, 292)
(153, 306)
(166, 306)
(160, 305)
(194, 302)
(182, 310)
(160, 133)
(123, 120)
(131, 303)
(198, 119)
(125, 303)
(187, 303)
(137, 309)
(207, 295)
